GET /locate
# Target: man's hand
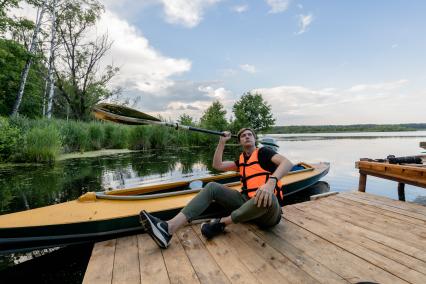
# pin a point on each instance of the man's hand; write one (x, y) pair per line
(226, 137)
(264, 194)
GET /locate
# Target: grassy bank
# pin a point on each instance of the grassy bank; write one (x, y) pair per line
(42, 140)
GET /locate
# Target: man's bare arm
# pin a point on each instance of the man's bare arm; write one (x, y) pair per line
(218, 164)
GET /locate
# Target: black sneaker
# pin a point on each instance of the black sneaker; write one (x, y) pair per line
(212, 228)
(156, 228)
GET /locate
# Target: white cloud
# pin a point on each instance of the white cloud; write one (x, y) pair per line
(240, 8)
(304, 22)
(395, 45)
(188, 13)
(278, 6)
(301, 105)
(386, 86)
(248, 68)
(141, 66)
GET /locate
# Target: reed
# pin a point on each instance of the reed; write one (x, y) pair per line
(42, 144)
(96, 135)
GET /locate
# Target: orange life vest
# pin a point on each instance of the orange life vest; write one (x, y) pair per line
(254, 176)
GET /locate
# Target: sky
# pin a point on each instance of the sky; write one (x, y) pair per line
(314, 62)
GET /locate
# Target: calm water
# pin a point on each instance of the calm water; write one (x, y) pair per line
(26, 187)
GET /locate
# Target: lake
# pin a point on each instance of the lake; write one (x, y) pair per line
(24, 187)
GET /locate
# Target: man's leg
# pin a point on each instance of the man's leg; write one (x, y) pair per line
(162, 231)
(213, 192)
(262, 216)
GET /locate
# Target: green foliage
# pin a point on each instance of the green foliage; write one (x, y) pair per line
(96, 136)
(116, 136)
(9, 137)
(252, 111)
(75, 136)
(12, 60)
(5, 21)
(139, 138)
(160, 137)
(214, 117)
(42, 144)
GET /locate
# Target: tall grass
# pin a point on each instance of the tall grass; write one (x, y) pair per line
(42, 140)
(42, 144)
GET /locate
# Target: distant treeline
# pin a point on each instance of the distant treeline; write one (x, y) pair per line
(348, 128)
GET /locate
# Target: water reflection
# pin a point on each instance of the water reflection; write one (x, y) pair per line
(28, 187)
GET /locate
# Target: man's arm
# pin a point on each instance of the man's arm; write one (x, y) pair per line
(264, 193)
(218, 164)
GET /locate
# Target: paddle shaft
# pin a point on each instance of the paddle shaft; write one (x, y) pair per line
(174, 125)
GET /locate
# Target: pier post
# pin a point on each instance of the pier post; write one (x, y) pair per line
(401, 191)
(362, 182)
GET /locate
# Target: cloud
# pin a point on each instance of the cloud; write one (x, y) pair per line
(301, 105)
(278, 6)
(304, 22)
(141, 66)
(240, 8)
(188, 13)
(248, 68)
(386, 86)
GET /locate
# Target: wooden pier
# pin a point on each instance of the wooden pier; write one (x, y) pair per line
(403, 174)
(346, 238)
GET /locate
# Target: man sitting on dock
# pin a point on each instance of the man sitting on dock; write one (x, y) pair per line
(259, 201)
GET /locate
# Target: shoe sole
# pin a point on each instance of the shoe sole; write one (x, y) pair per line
(152, 230)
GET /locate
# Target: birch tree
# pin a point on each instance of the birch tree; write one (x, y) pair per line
(51, 84)
(31, 53)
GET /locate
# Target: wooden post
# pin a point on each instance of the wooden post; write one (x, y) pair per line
(362, 182)
(401, 191)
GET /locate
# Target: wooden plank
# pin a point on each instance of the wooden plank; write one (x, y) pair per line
(381, 238)
(203, 263)
(298, 256)
(99, 269)
(178, 266)
(371, 207)
(349, 231)
(225, 257)
(419, 211)
(321, 226)
(261, 269)
(378, 223)
(126, 261)
(151, 261)
(288, 270)
(347, 265)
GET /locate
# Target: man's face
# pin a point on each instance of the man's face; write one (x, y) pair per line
(247, 138)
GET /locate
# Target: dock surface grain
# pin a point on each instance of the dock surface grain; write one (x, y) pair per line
(346, 238)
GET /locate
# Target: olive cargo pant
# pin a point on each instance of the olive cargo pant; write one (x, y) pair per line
(243, 209)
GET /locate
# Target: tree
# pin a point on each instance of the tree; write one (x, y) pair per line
(186, 119)
(31, 53)
(252, 111)
(49, 92)
(12, 61)
(5, 6)
(77, 64)
(214, 117)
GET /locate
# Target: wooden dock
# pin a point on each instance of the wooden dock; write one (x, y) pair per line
(346, 238)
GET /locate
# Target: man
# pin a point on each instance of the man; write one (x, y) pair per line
(259, 202)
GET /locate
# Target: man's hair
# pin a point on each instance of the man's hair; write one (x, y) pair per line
(244, 129)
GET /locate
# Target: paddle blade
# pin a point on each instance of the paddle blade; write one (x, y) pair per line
(121, 114)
